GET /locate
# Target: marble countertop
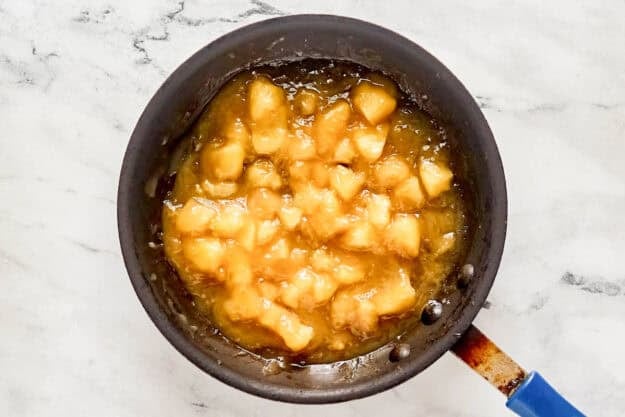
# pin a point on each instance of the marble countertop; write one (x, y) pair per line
(74, 78)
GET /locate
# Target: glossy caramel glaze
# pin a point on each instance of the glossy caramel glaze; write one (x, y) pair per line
(315, 211)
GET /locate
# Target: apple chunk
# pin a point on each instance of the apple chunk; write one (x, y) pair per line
(224, 163)
(390, 171)
(267, 102)
(408, 195)
(194, 217)
(205, 254)
(435, 176)
(346, 182)
(373, 102)
(370, 142)
(403, 235)
(329, 126)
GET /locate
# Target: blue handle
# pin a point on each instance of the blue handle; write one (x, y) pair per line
(536, 398)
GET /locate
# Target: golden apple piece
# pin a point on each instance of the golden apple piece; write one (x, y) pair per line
(264, 203)
(359, 236)
(238, 267)
(205, 254)
(300, 171)
(279, 251)
(378, 210)
(224, 163)
(301, 147)
(194, 217)
(390, 171)
(329, 204)
(396, 294)
(346, 182)
(323, 288)
(297, 289)
(325, 217)
(244, 303)
(312, 200)
(229, 221)
(307, 198)
(263, 173)
(373, 102)
(266, 231)
(219, 189)
(354, 310)
(344, 152)
(267, 102)
(306, 102)
(408, 195)
(287, 325)
(268, 111)
(369, 142)
(247, 235)
(322, 260)
(435, 176)
(349, 271)
(319, 174)
(309, 171)
(403, 235)
(268, 290)
(306, 289)
(236, 132)
(324, 227)
(330, 125)
(269, 140)
(298, 257)
(290, 216)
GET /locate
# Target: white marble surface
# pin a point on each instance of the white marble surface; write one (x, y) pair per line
(74, 78)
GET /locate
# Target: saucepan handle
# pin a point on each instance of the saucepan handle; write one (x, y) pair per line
(536, 398)
(529, 395)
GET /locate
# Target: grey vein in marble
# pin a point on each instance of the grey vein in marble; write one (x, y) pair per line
(595, 286)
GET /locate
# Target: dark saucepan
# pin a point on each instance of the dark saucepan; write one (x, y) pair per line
(145, 178)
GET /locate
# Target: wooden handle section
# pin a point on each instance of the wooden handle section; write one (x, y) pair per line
(481, 354)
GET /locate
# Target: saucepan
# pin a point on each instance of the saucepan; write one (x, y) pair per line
(148, 172)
